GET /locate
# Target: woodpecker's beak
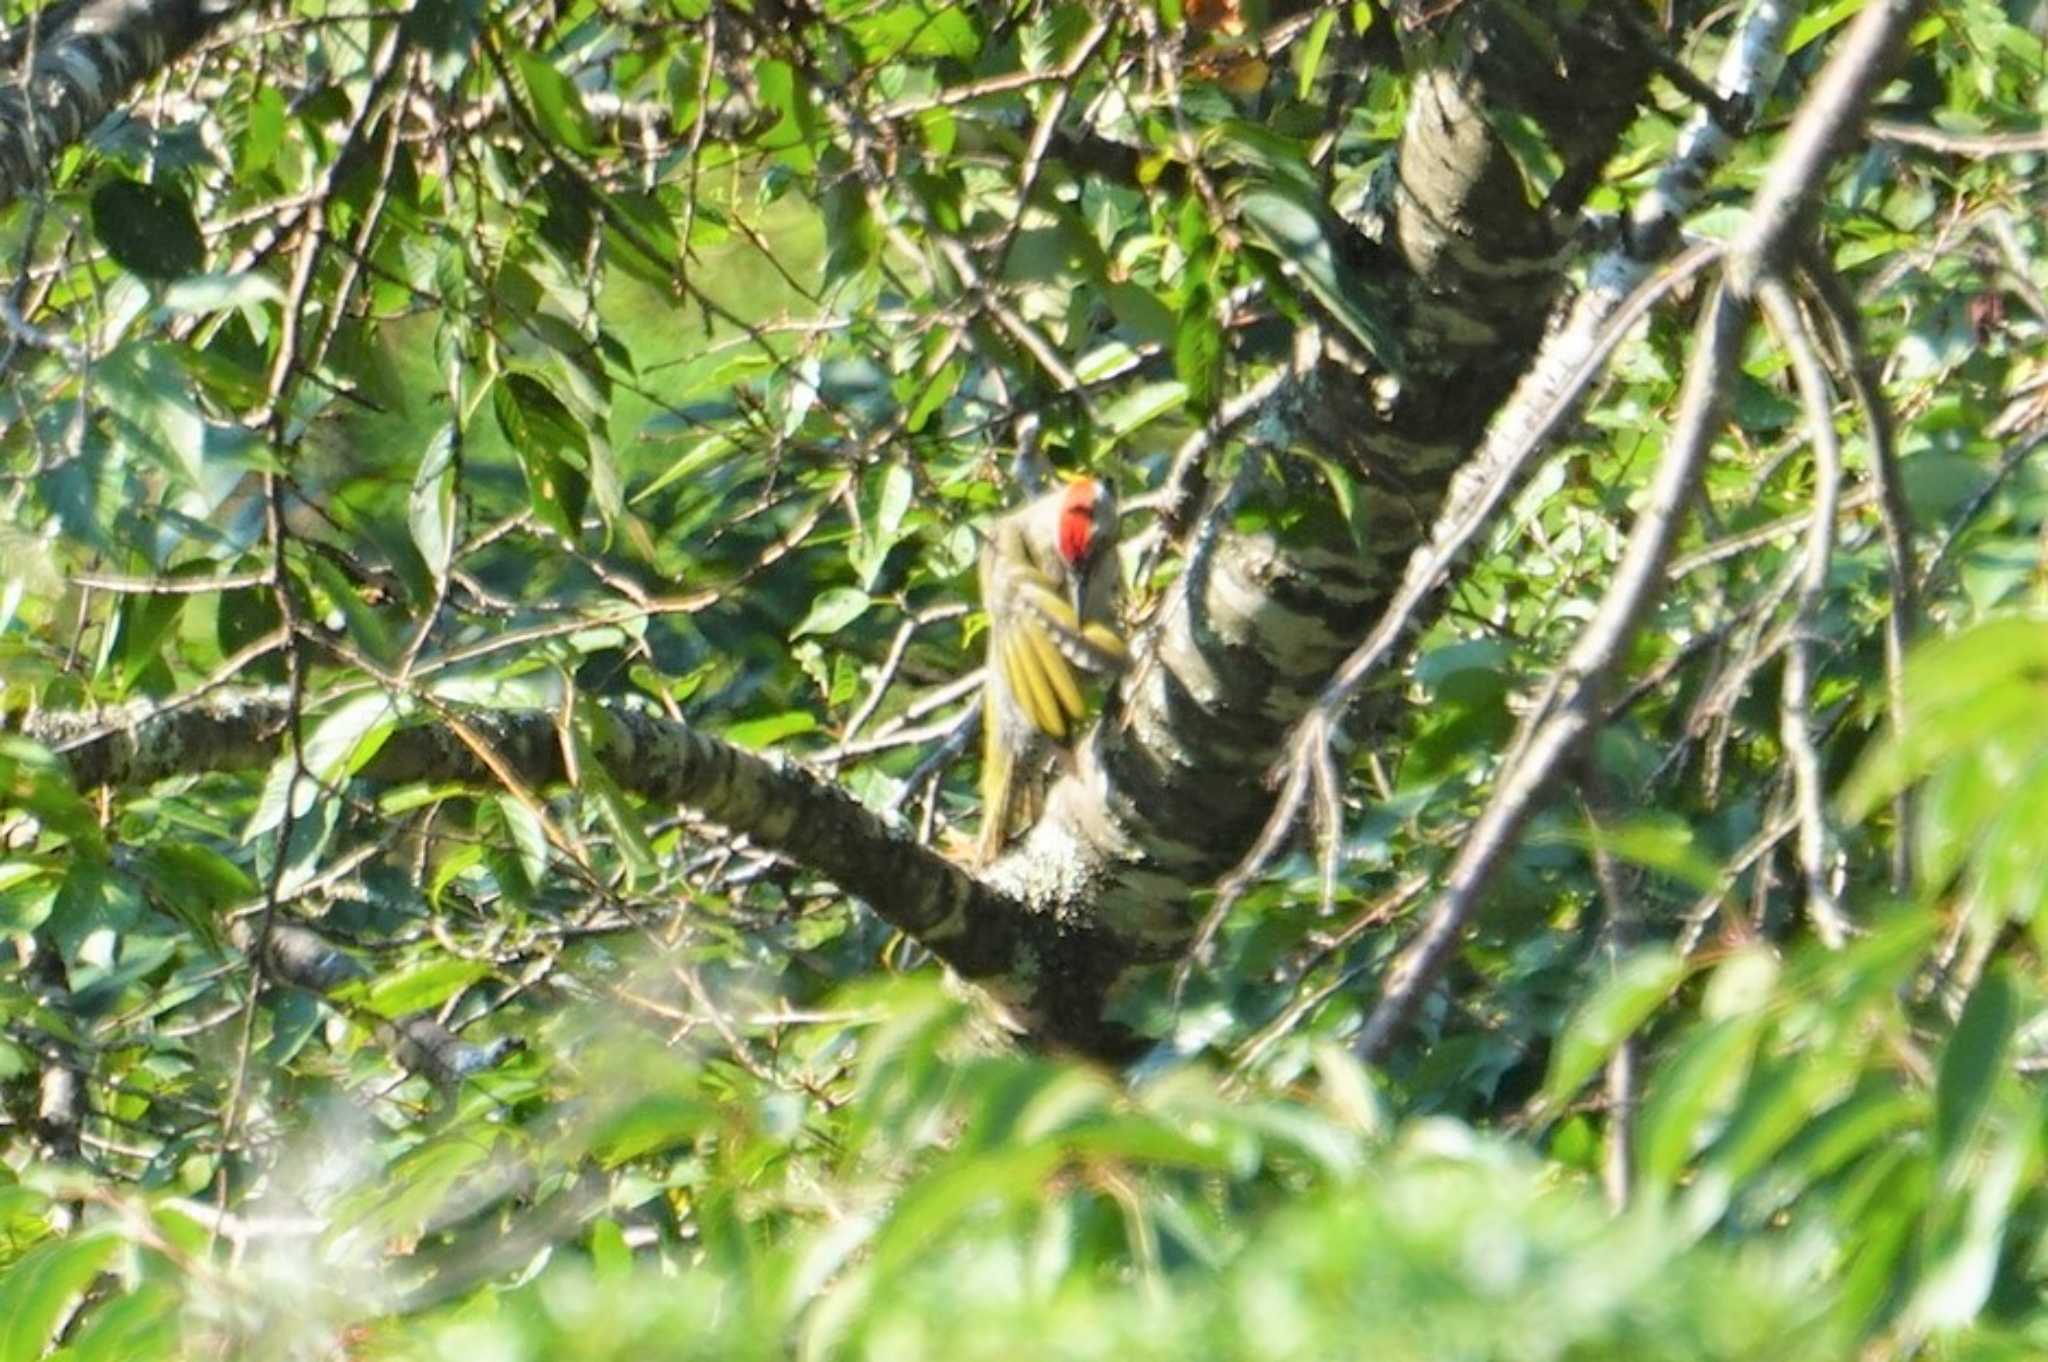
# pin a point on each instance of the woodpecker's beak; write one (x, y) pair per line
(1077, 586)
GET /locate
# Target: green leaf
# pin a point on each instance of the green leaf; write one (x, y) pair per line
(1198, 353)
(1961, 693)
(150, 399)
(1818, 22)
(766, 732)
(148, 228)
(344, 741)
(446, 28)
(1293, 223)
(138, 1325)
(552, 446)
(1664, 844)
(832, 610)
(196, 884)
(650, 1124)
(422, 986)
(1972, 1063)
(903, 31)
(264, 132)
(366, 627)
(796, 132)
(431, 506)
(1961, 1263)
(1698, 1083)
(935, 394)
(618, 811)
(700, 458)
(557, 104)
(529, 835)
(850, 228)
(1312, 52)
(33, 780)
(898, 486)
(202, 294)
(641, 237)
(609, 1254)
(141, 623)
(1621, 1002)
(42, 1286)
(1142, 406)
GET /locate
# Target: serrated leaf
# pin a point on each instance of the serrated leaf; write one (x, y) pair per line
(1198, 353)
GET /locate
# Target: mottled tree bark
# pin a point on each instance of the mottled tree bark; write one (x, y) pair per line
(74, 63)
(1174, 789)
(1171, 791)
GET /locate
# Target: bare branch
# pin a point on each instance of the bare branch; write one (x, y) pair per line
(1824, 122)
(1817, 848)
(1974, 144)
(1895, 518)
(975, 927)
(1556, 732)
(1553, 734)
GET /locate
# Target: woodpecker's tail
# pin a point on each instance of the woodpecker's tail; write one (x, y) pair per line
(998, 785)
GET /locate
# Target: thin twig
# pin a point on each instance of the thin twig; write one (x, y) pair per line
(1557, 732)
(1817, 843)
(1976, 144)
(1895, 519)
(1618, 933)
(1490, 475)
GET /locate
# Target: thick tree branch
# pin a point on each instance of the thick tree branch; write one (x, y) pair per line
(1554, 733)
(302, 958)
(1553, 736)
(1049, 967)
(75, 64)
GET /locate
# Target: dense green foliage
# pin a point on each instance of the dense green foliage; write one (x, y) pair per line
(668, 356)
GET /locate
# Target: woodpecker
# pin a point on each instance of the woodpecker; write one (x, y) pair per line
(1049, 584)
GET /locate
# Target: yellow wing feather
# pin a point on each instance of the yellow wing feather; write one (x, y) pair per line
(1026, 682)
(1056, 670)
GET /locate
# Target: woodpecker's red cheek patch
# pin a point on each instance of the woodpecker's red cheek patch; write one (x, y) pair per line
(1077, 532)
